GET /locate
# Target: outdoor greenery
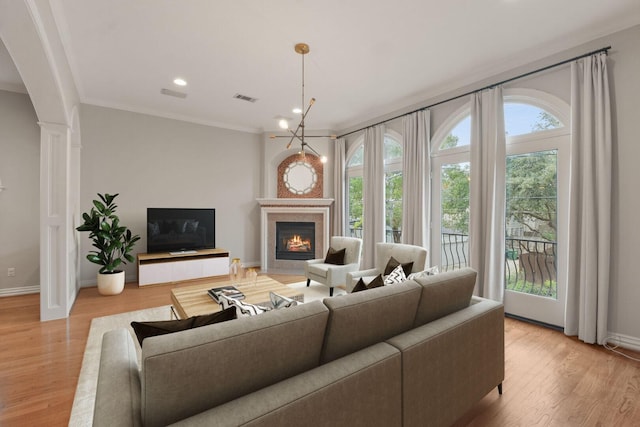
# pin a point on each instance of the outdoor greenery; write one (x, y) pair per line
(547, 289)
(530, 187)
(531, 193)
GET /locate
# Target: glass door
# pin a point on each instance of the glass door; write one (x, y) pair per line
(535, 223)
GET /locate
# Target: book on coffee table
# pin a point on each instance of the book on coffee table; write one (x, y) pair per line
(229, 291)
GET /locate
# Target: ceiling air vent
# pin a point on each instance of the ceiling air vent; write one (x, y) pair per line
(244, 97)
(173, 93)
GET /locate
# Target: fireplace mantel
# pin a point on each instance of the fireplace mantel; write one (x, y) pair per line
(295, 202)
(272, 210)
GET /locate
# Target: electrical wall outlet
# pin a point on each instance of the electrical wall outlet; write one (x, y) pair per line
(11, 272)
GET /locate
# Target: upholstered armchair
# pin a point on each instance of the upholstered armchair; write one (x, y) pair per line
(332, 275)
(384, 251)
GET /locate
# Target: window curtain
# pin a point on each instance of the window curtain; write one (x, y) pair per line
(338, 187)
(487, 204)
(416, 170)
(373, 191)
(590, 201)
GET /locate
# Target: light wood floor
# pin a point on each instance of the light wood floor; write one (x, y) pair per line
(551, 380)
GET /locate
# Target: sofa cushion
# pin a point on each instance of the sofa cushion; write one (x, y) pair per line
(335, 257)
(358, 320)
(319, 269)
(191, 371)
(360, 389)
(150, 329)
(444, 293)
(393, 263)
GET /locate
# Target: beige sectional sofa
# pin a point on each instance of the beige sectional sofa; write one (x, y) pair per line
(411, 354)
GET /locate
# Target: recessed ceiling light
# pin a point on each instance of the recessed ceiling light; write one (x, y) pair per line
(180, 82)
(297, 110)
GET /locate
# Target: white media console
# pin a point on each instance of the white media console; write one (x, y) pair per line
(160, 268)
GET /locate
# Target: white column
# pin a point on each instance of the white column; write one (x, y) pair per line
(57, 244)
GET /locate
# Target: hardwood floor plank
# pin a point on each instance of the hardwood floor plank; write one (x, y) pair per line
(551, 380)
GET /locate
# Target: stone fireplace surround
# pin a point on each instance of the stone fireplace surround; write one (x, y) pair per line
(298, 210)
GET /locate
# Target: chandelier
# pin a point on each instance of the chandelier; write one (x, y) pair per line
(298, 133)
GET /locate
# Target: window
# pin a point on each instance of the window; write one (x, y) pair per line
(355, 197)
(450, 194)
(530, 116)
(393, 188)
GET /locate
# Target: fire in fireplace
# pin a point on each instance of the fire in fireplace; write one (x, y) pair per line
(295, 240)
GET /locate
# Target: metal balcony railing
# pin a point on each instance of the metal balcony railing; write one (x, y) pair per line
(530, 265)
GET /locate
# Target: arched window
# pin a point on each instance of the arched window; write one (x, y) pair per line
(393, 187)
(536, 183)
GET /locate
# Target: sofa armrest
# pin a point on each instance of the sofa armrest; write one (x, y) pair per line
(337, 274)
(118, 389)
(362, 388)
(461, 358)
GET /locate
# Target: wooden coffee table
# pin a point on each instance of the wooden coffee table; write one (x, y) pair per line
(194, 300)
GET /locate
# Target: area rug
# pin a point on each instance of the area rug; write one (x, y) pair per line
(82, 410)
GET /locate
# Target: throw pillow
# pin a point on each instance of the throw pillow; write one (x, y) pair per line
(360, 286)
(280, 301)
(335, 256)
(393, 263)
(375, 283)
(396, 276)
(421, 274)
(150, 329)
(245, 308)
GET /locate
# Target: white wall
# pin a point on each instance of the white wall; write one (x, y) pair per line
(20, 201)
(624, 315)
(624, 73)
(158, 162)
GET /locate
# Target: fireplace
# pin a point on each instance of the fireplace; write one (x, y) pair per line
(273, 211)
(295, 240)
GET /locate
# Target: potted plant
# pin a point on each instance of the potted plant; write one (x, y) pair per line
(113, 243)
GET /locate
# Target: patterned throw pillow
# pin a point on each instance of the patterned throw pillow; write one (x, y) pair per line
(244, 308)
(396, 276)
(421, 274)
(280, 301)
(393, 263)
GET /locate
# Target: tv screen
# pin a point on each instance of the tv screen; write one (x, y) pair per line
(180, 230)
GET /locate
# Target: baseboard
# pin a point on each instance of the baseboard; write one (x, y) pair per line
(23, 290)
(626, 341)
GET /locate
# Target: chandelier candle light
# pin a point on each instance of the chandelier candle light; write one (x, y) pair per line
(302, 49)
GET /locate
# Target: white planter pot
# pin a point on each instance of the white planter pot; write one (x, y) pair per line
(111, 284)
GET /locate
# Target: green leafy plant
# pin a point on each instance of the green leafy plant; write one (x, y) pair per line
(113, 242)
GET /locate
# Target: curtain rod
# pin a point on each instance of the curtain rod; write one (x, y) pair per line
(539, 70)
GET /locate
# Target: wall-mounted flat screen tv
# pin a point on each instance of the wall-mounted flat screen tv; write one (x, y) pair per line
(180, 230)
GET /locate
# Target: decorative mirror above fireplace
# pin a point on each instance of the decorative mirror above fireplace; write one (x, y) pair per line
(300, 177)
